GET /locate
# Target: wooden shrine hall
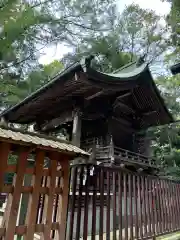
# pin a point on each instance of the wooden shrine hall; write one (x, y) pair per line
(104, 114)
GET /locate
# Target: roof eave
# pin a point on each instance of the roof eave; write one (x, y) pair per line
(65, 72)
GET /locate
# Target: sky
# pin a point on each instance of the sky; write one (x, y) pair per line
(56, 52)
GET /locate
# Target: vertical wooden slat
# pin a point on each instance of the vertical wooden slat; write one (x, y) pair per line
(148, 206)
(144, 206)
(130, 190)
(101, 204)
(55, 213)
(63, 206)
(162, 198)
(161, 217)
(165, 206)
(40, 208)
(52, 186)
(125, 206)
(45, 206)
(174, 206)
(11, 221)
(178, 204)
(78, 225)
(160, 192)
(155, 206)
(177, 207)
(136, 207)
(158, 207)
(140, 207)
(85, 230)
(151, 200)
(114, 205)
(33, 201)
(71, 224)
(42, 199)
(108, 206)
(170, 206)
(120, 204)
(93, 230)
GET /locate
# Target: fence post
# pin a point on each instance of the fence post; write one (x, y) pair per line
(63, 207)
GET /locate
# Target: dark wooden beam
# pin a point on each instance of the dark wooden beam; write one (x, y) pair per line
(149, 113)
(124, 124)
(124, 95)
(63, 118)
(94, 95)
(123, 106)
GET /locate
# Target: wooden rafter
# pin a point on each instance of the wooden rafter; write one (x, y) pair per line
(123, 106)
(65, 117)
(124, 95)
(97, 94)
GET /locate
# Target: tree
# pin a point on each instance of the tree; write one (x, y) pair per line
(29, 26)
(33, 81)
(173, 19)
(166, 139)
(35, 23)
(136, 32)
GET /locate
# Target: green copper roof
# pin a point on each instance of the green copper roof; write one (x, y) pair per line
(130, 71)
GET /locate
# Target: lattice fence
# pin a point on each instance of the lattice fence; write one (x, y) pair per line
(36, 199)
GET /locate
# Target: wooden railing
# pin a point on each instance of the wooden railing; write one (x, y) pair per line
(124, 156)
(116, 154)
(134, 157)
(121, 205)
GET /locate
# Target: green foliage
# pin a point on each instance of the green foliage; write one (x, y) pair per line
(166, 139)
(28, 26)
(136, 32)
(33, 81)
(12, 159)
(173, 20)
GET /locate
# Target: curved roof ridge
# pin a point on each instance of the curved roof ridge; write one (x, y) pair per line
(124, 67)
(127, 74)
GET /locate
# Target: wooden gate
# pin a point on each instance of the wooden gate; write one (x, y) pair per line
(36, 198)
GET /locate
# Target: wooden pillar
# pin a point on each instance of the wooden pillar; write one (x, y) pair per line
(76, 133)
(112, 151)
(93, 155)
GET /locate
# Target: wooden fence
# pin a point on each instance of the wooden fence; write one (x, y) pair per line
(36, 200)
(109, 203)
